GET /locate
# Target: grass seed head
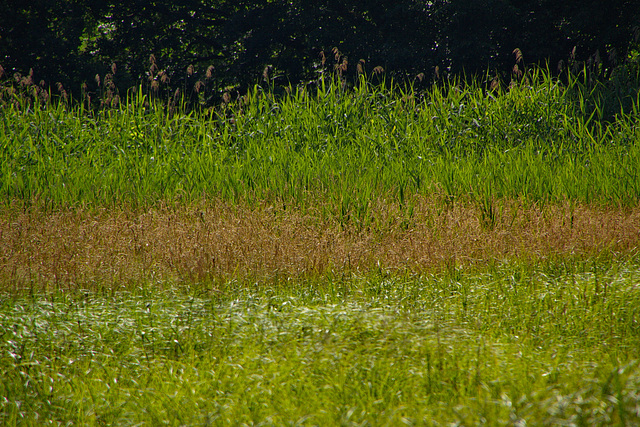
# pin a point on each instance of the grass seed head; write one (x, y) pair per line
(81, 246)
(495, 84)
(518, 53)
(266, 73)
(336, 54)
(344, 64)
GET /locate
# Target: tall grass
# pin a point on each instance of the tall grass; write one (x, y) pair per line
(331, 147)
(357, 306)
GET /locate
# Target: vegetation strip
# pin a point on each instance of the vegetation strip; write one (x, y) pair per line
(554, 344)
(215, 240)
(540, 140)
(464, 255)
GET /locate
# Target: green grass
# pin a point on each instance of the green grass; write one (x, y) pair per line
(538, 141)
(513, 344)
(555, 343)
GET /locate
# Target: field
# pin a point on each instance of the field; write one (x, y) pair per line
(375, 255)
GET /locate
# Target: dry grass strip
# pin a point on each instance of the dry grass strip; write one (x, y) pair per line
(213, 239)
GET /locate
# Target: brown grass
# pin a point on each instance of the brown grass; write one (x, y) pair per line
(215, 240)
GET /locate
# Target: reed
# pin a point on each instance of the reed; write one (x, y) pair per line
(326, 148)
(334, 254)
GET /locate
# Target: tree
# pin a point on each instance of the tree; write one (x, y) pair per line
(71, 41)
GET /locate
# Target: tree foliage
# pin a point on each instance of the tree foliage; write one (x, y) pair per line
(72, 41)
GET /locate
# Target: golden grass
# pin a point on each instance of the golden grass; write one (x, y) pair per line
(217, 240)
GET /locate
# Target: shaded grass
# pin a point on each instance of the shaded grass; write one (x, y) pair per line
(552, 343)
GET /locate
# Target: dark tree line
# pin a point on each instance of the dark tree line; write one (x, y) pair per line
(228, 43)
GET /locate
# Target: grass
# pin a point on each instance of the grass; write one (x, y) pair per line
(218, 240)
(551, 343)
(455, 256)
(331, 150)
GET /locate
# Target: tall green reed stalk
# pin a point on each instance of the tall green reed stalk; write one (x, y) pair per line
(329, 148)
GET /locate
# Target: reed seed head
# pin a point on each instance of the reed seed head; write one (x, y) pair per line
(518, 53)
(336, 54)
(517, 71)
(266, 72)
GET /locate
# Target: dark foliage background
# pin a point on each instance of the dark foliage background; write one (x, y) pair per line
(228, 43)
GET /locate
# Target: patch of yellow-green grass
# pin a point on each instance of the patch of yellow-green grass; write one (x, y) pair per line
(553, 343)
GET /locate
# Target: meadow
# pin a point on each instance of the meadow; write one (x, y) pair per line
(461, 254)
(543, 345)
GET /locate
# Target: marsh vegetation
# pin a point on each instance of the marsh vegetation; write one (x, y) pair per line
(465, 253)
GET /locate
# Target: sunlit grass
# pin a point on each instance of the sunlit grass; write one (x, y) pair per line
(369, 256)
(222, 240)
(548, 344)
(330, 149)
